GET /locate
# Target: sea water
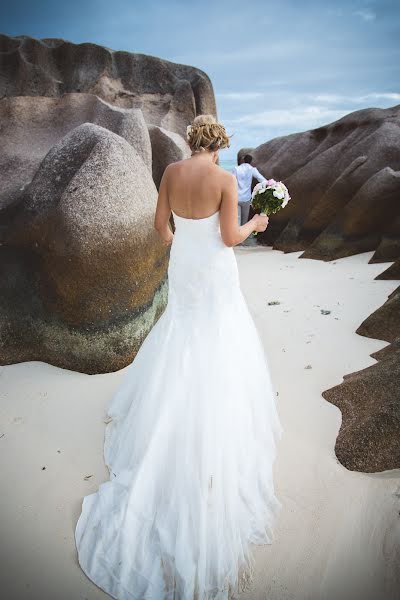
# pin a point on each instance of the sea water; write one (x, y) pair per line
(227, 163)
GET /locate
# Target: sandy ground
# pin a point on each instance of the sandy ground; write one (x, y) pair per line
(338, 536)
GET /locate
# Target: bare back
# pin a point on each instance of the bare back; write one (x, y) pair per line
(195, 188)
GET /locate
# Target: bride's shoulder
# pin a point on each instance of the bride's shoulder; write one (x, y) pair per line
(178, 164)
(224, 173)
(228, 178)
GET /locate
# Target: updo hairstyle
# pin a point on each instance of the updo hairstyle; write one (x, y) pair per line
(205, 133)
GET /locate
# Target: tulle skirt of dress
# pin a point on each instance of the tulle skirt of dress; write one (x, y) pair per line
(190, 447)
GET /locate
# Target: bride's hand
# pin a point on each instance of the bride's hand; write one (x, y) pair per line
(260, 222)
(166, 236)
(168, 241)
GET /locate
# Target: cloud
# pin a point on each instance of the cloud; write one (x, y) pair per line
(277, 68)
(239, 96)
(366, 15)
(270, 50)
(366, 98)
(253, 125)
(383, 96)
(297, 119)
(307, 111)
(316, 98)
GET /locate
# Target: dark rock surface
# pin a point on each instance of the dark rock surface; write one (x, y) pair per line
(369, 399)
(392, 272)
(360, 225)
(389, 247)
(387, 350)
(384, 323)
(344, 180)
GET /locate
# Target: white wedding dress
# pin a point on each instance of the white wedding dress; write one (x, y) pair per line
(190, 442)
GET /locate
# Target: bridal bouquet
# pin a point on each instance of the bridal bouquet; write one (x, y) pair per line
(270, 196)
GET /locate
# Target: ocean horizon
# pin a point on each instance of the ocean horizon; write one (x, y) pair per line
(227, 163)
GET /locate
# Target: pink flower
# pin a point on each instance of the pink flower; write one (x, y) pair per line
(271, 181)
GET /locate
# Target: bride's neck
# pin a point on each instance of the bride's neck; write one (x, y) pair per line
(204, 156)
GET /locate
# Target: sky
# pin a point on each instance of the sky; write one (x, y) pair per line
(276, 67)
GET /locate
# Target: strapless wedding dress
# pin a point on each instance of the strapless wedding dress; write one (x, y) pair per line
(190, 442)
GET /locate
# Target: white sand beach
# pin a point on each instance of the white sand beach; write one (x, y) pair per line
(338, 533)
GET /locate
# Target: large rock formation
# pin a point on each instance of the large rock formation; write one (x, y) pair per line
(389, 247)
(344, 179)
(384, 323)
(369, 400)
(86, 133)
(392, 272)
(82, 267)
(168, 94)
(170, 148)
(32, 125)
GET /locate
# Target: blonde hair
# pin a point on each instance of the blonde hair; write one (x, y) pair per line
(205, 133)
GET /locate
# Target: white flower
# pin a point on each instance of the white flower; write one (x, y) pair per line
(188, 129)
(257, 189)
(286, 196)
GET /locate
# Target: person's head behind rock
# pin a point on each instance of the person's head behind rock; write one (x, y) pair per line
(205, 133)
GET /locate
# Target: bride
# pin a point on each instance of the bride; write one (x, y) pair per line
(191, 431)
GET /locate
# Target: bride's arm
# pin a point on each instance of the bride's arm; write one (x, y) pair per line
(231, 232)
(163, 211)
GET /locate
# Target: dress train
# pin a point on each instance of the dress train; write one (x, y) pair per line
(190, 442)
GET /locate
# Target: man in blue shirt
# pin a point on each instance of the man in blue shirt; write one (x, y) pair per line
(244, 175)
